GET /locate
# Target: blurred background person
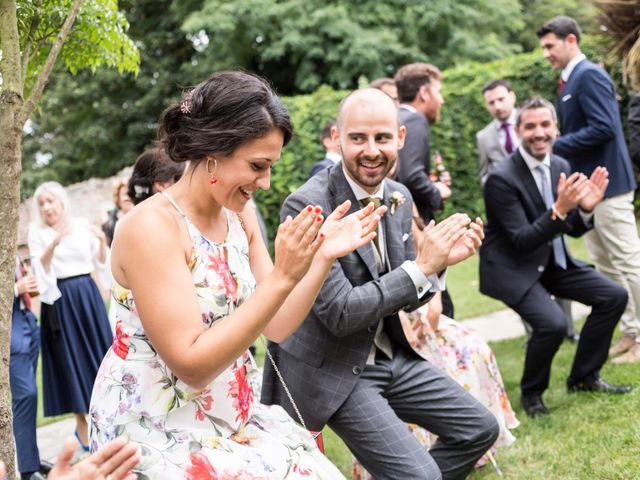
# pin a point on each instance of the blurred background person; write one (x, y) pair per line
(331, 149)
(122, 204)
(388, 86)
(153, 172)
(23, 363)
(75, 328)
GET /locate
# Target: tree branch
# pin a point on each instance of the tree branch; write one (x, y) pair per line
(43, 78)
(26, 51)
(10, 41)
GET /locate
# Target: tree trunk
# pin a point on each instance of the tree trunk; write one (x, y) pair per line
(11, 103)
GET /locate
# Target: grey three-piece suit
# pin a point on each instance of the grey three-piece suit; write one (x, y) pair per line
(324, 363)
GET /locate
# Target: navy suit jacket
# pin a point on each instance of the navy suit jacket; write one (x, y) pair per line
(322, 360)
(321, 165)
(414, 164)
(591, 128)
(517, 246)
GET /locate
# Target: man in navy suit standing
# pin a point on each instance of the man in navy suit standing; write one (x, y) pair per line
(532, 199)
(331, 148)
(592, 136)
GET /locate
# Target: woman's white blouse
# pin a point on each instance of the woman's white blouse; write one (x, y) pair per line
(77, 254)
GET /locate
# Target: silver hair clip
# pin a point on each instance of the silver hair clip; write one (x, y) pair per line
(185, 106)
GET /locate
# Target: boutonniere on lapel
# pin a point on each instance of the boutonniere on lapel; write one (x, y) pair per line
(397, 199)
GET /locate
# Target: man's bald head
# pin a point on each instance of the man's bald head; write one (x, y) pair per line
(367, 98)
(370, 135)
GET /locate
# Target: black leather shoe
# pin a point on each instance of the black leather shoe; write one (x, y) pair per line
(45, 467)
(597, 385)
(533, 406)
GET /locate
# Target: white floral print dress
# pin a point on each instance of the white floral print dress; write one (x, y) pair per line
(219, 432)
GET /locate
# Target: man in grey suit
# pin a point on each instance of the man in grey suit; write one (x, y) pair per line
(349, 364)
(498, 139)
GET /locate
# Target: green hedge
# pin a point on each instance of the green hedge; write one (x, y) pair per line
(463, 114)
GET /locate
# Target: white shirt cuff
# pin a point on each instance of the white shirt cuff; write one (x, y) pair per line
(423, 284)
(587, 217)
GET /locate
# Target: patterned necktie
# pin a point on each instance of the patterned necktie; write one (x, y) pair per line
(560, 86)
(376, 203)
(559, 256)
(508, 142)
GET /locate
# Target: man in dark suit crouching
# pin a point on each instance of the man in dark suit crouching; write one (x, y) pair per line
(532, 199)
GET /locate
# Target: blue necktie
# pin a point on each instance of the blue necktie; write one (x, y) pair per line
(558, 248)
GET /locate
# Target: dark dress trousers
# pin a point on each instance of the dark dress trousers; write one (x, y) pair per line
(517, 267)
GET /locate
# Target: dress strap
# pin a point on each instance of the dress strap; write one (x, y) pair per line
(173, 202)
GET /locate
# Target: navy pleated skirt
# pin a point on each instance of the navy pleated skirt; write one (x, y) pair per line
(75, 337)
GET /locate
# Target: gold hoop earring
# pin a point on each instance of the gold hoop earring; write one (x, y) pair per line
(212, 180)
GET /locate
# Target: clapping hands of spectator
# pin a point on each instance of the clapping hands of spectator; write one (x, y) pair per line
(436, 242)
(346, 234)
(468, 244)
(598, 181)
(571, 191)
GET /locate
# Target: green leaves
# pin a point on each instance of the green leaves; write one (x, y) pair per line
(98, 37)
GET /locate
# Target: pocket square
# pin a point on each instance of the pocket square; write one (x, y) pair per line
(405, 237)
(566, 97)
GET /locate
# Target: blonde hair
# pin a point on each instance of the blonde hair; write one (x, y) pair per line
(119, 185)
(55, 189)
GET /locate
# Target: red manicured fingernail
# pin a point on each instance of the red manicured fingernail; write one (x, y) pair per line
(319, 218)
(321, 235)
(318, 209)
(309, 208)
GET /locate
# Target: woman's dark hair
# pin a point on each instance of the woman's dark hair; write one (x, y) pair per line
(219, 115)
(153, 165)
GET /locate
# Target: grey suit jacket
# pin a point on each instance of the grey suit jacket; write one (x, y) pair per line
(490, 149)
(321, 362)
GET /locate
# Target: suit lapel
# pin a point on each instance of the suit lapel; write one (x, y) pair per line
(342, 191)
(394, 246)
(555, 176)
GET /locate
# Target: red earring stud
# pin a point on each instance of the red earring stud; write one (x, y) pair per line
(213, 180)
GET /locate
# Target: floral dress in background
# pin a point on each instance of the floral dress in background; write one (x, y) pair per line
(218, 432)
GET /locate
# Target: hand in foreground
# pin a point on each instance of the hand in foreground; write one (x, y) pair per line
(436, 241)
(599, 181)
(571, 191)
(297, 242)
(468, 244)
(113, 461)
(27, 284)
(344, 235)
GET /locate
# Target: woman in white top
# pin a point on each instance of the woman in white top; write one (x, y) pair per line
(75, 328)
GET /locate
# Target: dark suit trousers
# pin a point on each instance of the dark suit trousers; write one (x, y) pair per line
(607, 300)
(25, 346)
(409, 389)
